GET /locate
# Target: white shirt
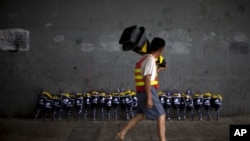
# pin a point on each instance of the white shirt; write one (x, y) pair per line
(148, 66)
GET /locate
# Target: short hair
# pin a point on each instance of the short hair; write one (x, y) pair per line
(156, 44)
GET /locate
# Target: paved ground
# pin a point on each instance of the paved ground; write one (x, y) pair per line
(29, 130)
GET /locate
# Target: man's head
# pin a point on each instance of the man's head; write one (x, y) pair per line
(157, 46)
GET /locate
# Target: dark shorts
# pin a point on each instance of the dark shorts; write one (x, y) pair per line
(157, 109)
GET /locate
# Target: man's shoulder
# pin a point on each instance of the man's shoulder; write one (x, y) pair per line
(149, 57)
(149, 60)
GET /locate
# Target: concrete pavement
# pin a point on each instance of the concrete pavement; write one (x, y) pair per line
(12, 129)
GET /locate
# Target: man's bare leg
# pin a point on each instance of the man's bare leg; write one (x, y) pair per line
(130, 124)
(161, 126)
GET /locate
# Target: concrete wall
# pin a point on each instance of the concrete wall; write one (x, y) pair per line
(74, 46)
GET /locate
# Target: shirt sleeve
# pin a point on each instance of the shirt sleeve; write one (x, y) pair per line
(148, 66)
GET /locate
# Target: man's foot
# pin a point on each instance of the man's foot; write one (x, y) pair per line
(119, 137)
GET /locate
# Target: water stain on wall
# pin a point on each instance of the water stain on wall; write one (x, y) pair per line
(179, 41)
(59, 38)
(87, 47)
(241, 8)
(79, 41)
(239, 48)
(203, 9)
(208, 37)
(14, 39)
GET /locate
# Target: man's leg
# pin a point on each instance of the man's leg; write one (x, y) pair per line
(130, 124)
(161, 127)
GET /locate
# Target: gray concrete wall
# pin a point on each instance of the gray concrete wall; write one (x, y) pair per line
(74, 46)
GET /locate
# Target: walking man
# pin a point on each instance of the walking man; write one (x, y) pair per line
(146, 82)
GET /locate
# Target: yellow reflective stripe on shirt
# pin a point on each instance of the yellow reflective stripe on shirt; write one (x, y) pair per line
(139, 83)
(138, 77)
(154, 82)
(137, 70)
(142, 83)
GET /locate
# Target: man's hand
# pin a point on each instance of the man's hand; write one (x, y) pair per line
(161, 68)
(149, 103)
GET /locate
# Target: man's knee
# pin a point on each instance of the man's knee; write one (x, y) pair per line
(163, 116)
(141, 117)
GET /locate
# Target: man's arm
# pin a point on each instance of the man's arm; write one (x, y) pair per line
(160, 69)
(148, 91)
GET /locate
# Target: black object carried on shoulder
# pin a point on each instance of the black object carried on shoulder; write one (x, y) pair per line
(134, 38)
